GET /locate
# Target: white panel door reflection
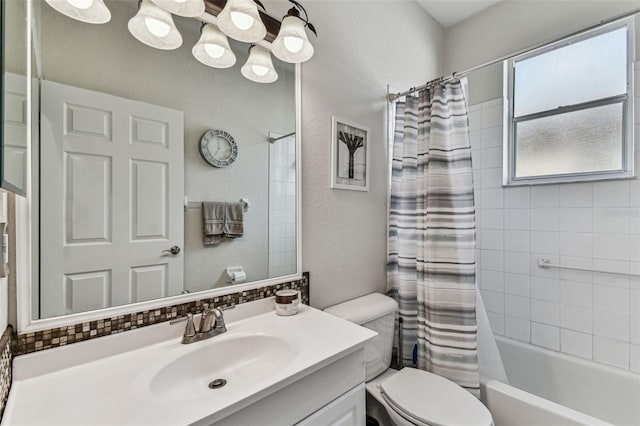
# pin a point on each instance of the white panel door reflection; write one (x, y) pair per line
(111, 201)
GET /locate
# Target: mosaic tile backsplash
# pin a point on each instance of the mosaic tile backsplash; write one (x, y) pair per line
(61, 336)
(5, 367)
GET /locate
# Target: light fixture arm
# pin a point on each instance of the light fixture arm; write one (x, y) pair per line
(295, 11)
(259, 3)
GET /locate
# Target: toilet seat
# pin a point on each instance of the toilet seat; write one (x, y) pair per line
(427, 399)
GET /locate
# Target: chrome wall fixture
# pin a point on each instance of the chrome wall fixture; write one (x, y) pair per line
(239, 19)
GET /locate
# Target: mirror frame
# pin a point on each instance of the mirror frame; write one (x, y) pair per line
(27, 236)
(5, 185)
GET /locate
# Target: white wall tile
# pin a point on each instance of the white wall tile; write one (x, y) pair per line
(518, 328)
(517, 284)
(578, 344)
(634, 358)
(546, 336)
(491, 115)
(517, 241)
(634, 220)
(475, 120)
(545, 219)
(576, 219)
(611, 352)
(493, 301)
(634, 191)
(611, 299)
(491, 137)
(576, 244)
(576, 318)
(611, 246)
(618, 280)
(576, 195)
(611, 194)
(517, 263)
(492, 259)
(611, 219)
(491, 198)
(634, 302)
(576, 294)
(517, 219)
(611, 325)
(497, 323)
(545, 289)
(492, 280)
(517, 306)
(492, 218)
(492, 158)
(517, 197)
(545, 196)
(545, 242)
(492, 239)
(545, 312)
(491, 178)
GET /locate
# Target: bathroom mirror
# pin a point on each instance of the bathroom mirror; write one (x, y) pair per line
(119, 177)
(15, 69)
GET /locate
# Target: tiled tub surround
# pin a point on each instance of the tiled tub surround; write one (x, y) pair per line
(61, 336)
(5, 367)
(594, 225)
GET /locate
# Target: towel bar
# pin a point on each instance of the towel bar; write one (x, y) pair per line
(198, 204)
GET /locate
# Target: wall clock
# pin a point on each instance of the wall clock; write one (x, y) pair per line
(218, 148)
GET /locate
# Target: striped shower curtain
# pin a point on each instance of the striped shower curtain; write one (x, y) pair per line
(431, 235)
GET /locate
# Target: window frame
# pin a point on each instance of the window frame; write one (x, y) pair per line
(509, 130)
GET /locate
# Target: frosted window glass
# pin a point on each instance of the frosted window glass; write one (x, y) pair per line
(583, 71)
(574, 142)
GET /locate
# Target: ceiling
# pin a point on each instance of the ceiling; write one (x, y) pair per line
(450, 12)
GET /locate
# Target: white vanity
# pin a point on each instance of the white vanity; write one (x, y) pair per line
(304, 369)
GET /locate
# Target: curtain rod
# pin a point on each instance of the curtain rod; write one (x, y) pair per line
(392, 97)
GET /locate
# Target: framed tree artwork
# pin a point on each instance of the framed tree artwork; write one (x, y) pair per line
(349, 155)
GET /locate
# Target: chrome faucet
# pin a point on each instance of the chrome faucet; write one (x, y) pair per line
(211, 324)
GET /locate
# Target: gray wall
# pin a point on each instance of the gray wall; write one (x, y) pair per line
(362, 47)
(511, 26)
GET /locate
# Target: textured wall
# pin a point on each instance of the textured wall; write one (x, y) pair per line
(511, 26)
(362, 47)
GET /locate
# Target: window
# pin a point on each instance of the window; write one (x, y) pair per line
(570, 109)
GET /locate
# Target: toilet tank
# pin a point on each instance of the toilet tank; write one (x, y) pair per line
(378, 313)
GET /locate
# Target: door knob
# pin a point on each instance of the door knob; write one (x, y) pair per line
(173, 250)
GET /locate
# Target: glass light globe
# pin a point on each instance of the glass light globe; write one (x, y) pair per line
(154, 27)
(240, 20)
(292, 44)
(212, 49)
(259, 67)
(89, 11)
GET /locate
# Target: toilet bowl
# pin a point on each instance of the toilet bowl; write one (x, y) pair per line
(408, 396)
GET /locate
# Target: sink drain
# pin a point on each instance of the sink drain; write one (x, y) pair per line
(217, 383)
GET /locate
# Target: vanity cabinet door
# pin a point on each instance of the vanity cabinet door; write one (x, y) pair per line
(348, 410)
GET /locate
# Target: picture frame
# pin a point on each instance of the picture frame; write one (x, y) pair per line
(350, 155)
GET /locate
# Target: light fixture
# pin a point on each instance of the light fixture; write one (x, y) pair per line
(213, 48)
(292, 44)
(154, 27)
(240, 20)
(259, 67)
(89, 11)
(187, 8)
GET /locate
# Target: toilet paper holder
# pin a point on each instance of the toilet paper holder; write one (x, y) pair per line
(236, 274)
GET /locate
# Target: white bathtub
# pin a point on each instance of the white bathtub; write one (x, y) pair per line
(551, 388)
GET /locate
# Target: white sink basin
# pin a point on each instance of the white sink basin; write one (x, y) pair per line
(240, 359)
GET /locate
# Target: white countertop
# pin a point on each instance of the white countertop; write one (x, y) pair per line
(110, 383)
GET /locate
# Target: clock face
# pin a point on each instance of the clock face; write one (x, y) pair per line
(218, 148)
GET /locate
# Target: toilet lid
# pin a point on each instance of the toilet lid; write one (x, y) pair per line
(434, 400)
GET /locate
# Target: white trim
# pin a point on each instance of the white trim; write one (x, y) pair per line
(27, 237)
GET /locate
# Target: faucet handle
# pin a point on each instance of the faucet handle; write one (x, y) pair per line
(190, 328)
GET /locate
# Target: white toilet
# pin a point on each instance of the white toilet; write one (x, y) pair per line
(408, 396)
